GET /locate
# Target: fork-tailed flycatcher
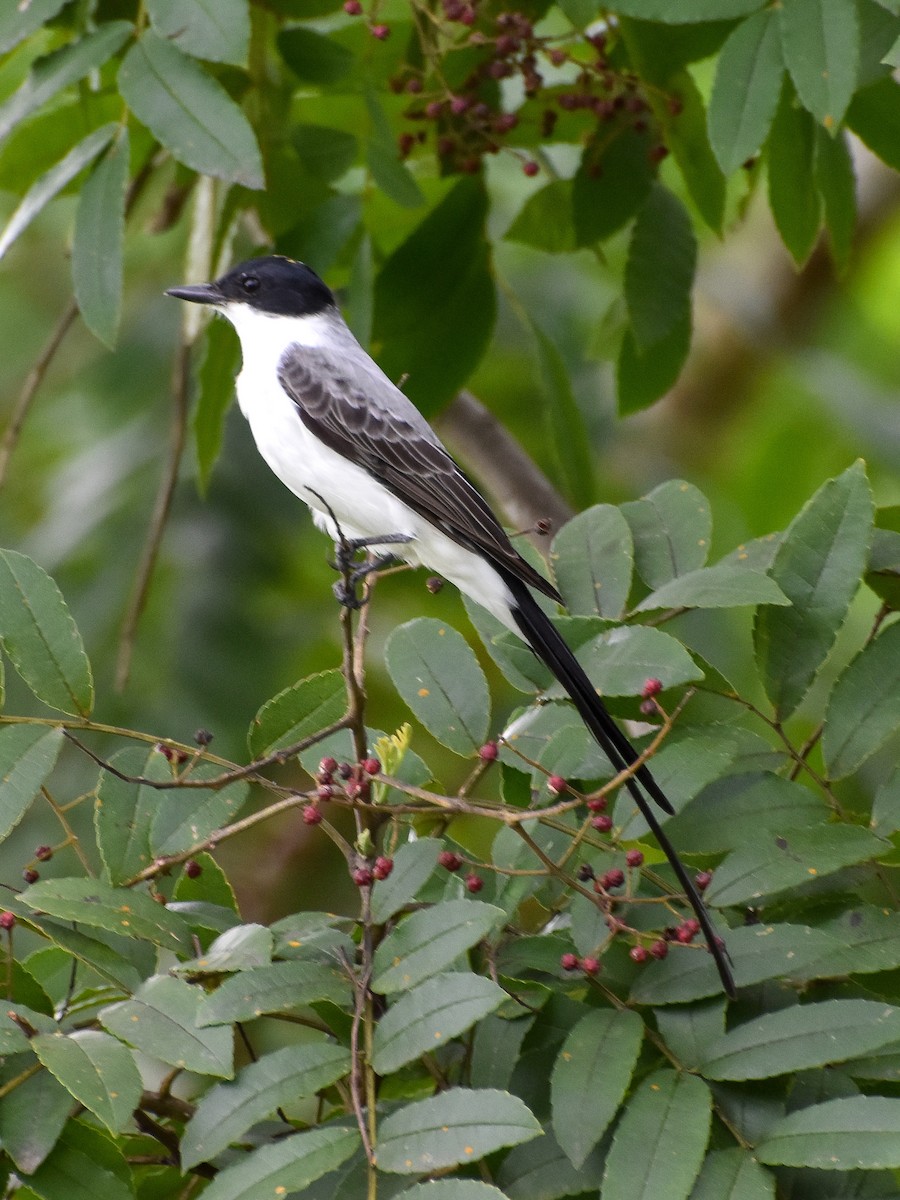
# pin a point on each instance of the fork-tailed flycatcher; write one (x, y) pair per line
(343, 438)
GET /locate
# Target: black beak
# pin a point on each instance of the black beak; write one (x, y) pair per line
(197, 293)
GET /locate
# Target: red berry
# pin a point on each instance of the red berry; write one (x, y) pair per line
(569, 962)
(556, 784)
(474, 883)
(458, 105)
(531, 168)
(363, 877)
(203, 737)
(414, 86)
(43, 853)
(652, 687)
(433, 109)
(192, 869)
(30, 875)
(614, 878)
(638, 954)
(649, 708)
(557, 57)
(703, 879)
(449, 860)
(467, 15)
(344, 770)
(684, 934)
(634, 858)
(7, 920)
(693, 924)
(488, 752)
(590, 966)
(597, 804)
(504, 122)
(352, 7)
(659, 949)
(312, 814)
(371, 766)
(383, 867)
(603, 823)
(585, 873)
(325, 791)
(382, 32)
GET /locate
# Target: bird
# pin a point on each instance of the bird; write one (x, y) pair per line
(349, 443)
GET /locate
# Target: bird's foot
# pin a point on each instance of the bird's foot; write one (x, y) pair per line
(353, 574)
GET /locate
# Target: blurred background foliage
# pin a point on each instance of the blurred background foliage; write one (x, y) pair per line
(792, 371)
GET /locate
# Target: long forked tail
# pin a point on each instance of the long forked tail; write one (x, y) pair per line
(548, 644)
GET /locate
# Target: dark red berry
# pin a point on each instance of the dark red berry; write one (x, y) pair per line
(344, 770)
(382, 32)
(449, 860)
(383, 867)
(657, 153)
(324, 791)
(531, 168)
(613, 878)
(556, 784)
(597, 804)
(659, 949)
(649, 708)
(363, 877)
(458, 105)
(434, 583)
(488, 752)
(352, 7)
(585, 873)
(570, 962)
(684, 934)
(43, 853)
(474, 883)
(638, 954)
(603, 823)
(312, 814)
(504, 122)
(203, 737)
(371, 766)
(414, 86)
(703, 879)
(7, 920)
(557, 57)
(328, 766)
(634, 858)
(192, 869)
(590, 966)
(693, 925)
(652, 687)
(433, 109)
(30, 875)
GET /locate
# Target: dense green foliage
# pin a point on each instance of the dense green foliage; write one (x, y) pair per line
(509, 998)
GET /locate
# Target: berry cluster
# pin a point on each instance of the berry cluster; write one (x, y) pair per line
(468, 120)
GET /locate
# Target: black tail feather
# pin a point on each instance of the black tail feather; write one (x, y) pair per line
(548, 644)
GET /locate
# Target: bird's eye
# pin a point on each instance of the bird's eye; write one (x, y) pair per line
(250, 284)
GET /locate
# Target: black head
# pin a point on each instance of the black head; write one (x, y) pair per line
(274, 284)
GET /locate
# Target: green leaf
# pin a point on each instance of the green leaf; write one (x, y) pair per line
(758, 952)
(720, 586)
(290, 1165)
(539, 1170)
(240, 948)
(801, 1037)
(94, 953)
(456, 1126)
(425, 1018)
(590, 1077)
(874, 116)
(313, 57)
(821, 51)
(776, 862)
(438, 279)
(746, 90)
(189, 112)
(277, 988)
(41, 638)
(685, 133)
(43, 190)
(18, 22)
(83, 1165)
(452, 1189)
(161, 1021)
(733, 1175)
(793, 196)
(545, 220)
(123, 813)
(324, 152)
(593, 559)
(864, 706)
(301, 709)
(97, 245)
(97, 1069)
(32, 1117)
(437, 674)
(734, 810)
(390, 173)
(57, 71)
(217, 30)
(818, 567)
(567, 425)
(660, 1141)
(610, 185)
(28, 754)
(672, 528)
(686, 11)
(120, 910)
(866, 940)
(184, 819)
(620, 662)
(642, 379)
(227, 1111)
(215, 391)
(836, 181)
(851, 1134)
(430, 941)
(659, 271)
(413, 867)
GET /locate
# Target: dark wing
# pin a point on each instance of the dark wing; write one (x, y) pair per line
(358, 413)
